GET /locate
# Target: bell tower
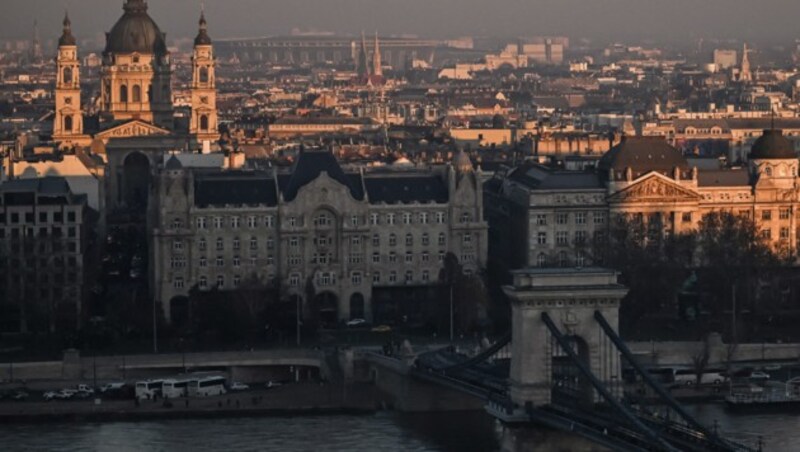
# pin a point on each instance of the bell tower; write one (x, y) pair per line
(203, 126)
(68, 122)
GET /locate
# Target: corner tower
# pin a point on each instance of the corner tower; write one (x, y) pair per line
(203, 125)
(68, 119)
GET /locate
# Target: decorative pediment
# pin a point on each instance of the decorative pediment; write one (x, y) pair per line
(654, 189)
(134, 128)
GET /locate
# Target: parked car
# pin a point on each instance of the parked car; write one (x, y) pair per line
(19, 395)
(50, 395)
(65, 394)
(273, 384)
(758, 375)
(114, 386)
(238, 386)
(86, 389)
(382, 329)
(356, 322)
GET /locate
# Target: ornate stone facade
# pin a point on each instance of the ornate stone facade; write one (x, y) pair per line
(315, 229)
(558, 214)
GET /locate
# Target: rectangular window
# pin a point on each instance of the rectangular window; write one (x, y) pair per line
(580, 217)
(177, 245)
(269, 221)
(580, 237)
(217, 222)
(406, 218)
(442, 239)
(294, 280)
(237, 261)
(785, 214)
(235, 222)
(376, 277)
(390, 219)
(426, 240)
(392, 277)
(562, 218)
(599, 218)
(354, 220)
(686, 217)
(376, 240)
(766, 234)
(784, 233)
(426, 257)
(423, 218)
(439, 217)
(392, 258)
(409, 277)
(562, 238)
(220, 262)
(356, 279)
(467, 240)
(766, 215)
(409, 258)
(541, 219)
(426, 276)
(177, 283)
(355, 241)
(374, 219)
(541, 238)
(376, 258)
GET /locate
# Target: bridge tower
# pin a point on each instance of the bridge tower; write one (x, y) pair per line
(569, 298)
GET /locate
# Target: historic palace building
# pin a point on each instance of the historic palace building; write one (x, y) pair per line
(363, 244)
(556, 214)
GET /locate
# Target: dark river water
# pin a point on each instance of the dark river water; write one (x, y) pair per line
(457, 432)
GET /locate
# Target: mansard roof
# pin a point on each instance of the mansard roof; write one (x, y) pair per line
(406, 188)
(309, 166)
(234, 188)
(541, 177)
(642, 155)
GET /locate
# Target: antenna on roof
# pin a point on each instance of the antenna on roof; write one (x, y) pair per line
(772, 119)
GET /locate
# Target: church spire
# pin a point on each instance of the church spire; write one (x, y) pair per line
(377, 69)
(202, 35)
(67, 39)
(744, 73)
(363, 59)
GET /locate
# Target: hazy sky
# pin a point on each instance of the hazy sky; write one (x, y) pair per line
(659, 19)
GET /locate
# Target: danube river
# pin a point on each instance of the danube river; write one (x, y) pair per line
(456, 432)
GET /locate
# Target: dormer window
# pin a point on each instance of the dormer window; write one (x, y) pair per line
(136, 59)
(768, 170)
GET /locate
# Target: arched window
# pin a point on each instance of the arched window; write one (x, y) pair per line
(541, 260)
(203, 75)
(68, 123)
(137, 93)
(204, 122)
(123, 93)
(67, 75)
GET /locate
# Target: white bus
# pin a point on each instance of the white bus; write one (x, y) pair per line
(173, 389)
(207, 386)
(148, 389)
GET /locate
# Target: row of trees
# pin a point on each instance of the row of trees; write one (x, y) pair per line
(725, 257)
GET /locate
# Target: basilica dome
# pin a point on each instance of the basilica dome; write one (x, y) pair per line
(135, 32)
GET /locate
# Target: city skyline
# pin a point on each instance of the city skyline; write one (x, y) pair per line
(604, 19)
